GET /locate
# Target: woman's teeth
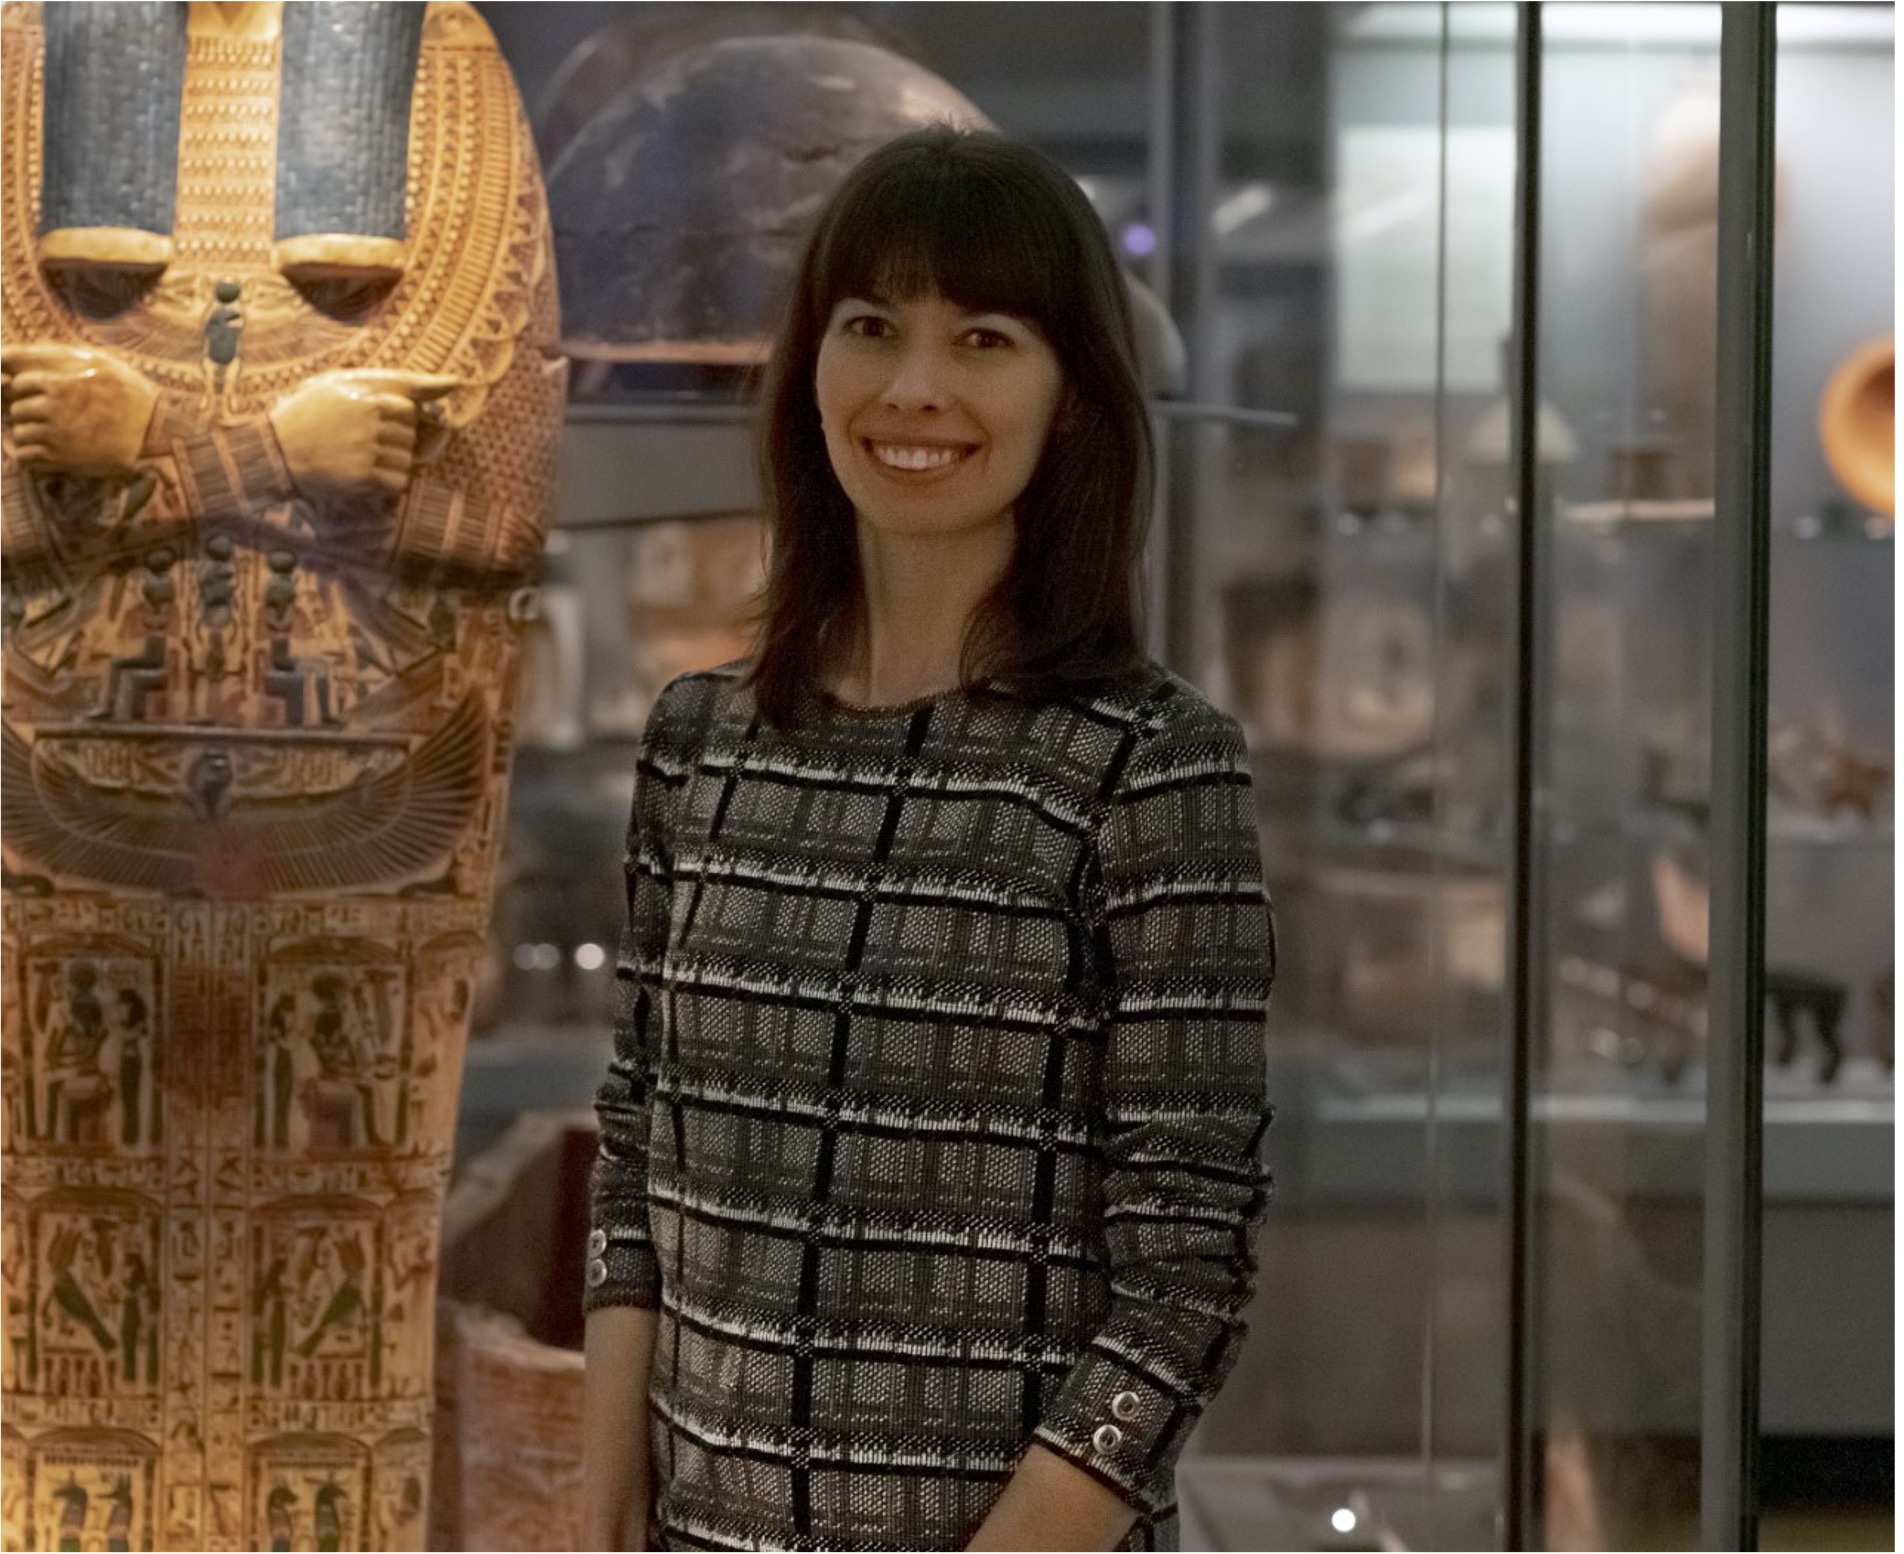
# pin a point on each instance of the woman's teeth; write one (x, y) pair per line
(897, 457)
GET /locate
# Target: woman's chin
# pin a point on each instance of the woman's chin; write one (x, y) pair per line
(931, 524)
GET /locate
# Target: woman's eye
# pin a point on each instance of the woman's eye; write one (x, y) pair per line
(868, 326)
(988, 339)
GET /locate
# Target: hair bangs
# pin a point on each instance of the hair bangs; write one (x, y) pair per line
(921, 230)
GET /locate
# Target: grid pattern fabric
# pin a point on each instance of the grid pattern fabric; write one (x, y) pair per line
(933, 1125)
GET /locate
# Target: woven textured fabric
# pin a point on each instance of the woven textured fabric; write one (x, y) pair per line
(934, 1121)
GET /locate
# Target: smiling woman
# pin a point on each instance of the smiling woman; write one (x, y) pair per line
(958, 292)
(929, 1168)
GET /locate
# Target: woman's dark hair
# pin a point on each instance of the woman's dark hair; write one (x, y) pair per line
(992, 226)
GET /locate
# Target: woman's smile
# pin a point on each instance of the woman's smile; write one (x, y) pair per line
(917, 458)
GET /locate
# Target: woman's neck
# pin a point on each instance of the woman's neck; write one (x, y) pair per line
(919, 595)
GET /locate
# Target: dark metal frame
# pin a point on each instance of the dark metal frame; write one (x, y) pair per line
(1741, 626)
(1524, 1001)
(1185, 130)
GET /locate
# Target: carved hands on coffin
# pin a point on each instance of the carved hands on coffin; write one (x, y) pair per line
(352, 436)
(73, 408)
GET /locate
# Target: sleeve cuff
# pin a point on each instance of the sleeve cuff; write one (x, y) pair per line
(1121, 1428)
(621, 1270)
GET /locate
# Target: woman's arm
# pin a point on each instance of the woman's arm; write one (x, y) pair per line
(622, 1282)
(617, 1488)
(1184, 925)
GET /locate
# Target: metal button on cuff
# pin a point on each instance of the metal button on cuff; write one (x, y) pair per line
(1108, 1438)
(597, 1273)
(1124, 1406)
(597, 1242)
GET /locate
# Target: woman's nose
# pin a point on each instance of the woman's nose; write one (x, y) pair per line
(918, 379)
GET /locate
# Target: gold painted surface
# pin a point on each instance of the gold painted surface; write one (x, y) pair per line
(339, 256)
(263, 540)
(121, 248)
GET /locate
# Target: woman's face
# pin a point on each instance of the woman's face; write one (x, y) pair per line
(934, 416)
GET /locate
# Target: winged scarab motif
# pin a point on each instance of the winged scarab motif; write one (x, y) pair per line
(396, 819)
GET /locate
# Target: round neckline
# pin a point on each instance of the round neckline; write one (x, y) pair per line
(885, 709)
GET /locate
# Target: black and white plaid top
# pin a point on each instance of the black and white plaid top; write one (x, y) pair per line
(934, 1118)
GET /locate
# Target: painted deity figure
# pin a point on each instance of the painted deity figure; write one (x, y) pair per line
(74, 1032)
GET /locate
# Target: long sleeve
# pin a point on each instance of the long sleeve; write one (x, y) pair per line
(1184, 922)
(622, 1270)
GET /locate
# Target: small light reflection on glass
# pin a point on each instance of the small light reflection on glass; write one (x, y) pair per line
(590, 957)
(1241, 208)
(1343, 1520)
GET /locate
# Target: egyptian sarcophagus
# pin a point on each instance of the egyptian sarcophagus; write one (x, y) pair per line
(281, 404)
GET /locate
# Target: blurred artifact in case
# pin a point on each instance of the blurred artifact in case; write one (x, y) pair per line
(282, 395)
(680, 207)
(688, 597)
(685, 167)
(1857, 424)
(1679, 267)
(1343, 676)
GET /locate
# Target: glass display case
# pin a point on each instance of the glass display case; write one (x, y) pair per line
(1323, 202)
(1627, 1132)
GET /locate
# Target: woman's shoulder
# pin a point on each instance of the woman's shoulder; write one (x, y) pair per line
(1147, 724)
(689, 702)
(1157, 703)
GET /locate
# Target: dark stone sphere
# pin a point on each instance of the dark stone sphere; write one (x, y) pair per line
(680, 209)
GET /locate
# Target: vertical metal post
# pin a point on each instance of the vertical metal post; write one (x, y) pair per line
(1519, 1478)
(1184, 173)
(1748, 57)
(1432, 1079)
(1160, 174)
(1160, 170)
